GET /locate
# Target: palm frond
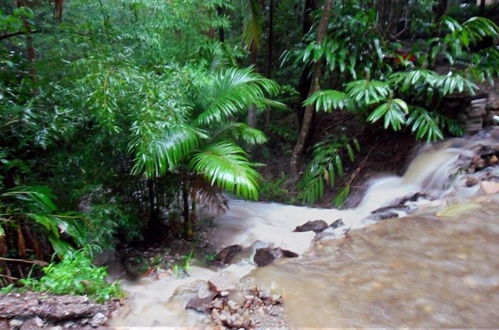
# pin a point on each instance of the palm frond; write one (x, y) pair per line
(327, 100)
(241, 132)
(225, 165)
(424, 125)
(368, 91)
(231, 92)
(252, 30)
(452, 83)
(394, 111)
(167, 151)
(406, 80)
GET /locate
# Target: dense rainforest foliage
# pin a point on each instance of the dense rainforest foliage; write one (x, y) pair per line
(119, 119)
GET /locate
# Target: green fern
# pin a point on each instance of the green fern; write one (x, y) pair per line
(326, 165)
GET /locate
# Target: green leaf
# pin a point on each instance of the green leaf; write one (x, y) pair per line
(225, 165)
(231, 92)
(327, 100)
(368, 91)
(393, 111)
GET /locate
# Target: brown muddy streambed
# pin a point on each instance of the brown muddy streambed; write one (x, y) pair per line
(433, 263)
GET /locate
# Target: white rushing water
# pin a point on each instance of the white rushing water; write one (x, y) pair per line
(433, 171)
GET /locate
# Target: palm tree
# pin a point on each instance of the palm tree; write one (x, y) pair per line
(204, 149)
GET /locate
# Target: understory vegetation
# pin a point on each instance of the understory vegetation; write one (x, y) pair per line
(122, 121)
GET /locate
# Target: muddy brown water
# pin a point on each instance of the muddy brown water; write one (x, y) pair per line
(438, 267)
(421, 271)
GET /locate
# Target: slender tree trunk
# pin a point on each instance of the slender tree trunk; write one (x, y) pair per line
(221, 32)
(306, 75)
(58, 8)
(30, 48)
(440, 9)
(269, 53)
(252, 120)
(187, 216)
(153, 207)
(482, 7)
(316, 74)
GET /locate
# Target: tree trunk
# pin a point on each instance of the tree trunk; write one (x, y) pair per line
(187, 216)
(440, 9)
(270, 55)
(58, 8)
(306, 75)
(252, 120)
(153, 208)
(482, 7)
(316, 74)
(221, 32)
(30, 49)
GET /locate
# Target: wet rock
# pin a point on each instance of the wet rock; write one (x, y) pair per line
(16, 323)
(227, 254)
(470, 182)
(223, 281)
(264, 257)
(383, 215)
(316, 226)
(337, 223)
(189, 291)
(201, 301)
(199, 304)
(98, 319)
(289, 254)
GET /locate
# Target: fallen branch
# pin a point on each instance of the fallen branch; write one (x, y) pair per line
(12, 278)
(36, 262)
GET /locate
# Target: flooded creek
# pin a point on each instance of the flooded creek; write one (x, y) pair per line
(436, 265)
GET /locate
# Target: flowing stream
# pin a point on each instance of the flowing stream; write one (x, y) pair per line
(436, 267)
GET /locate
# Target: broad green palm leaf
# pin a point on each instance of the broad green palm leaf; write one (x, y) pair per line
(231, 92)
(166, 152)
(226, 165)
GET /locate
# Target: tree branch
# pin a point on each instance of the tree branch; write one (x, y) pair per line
(15, 34)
